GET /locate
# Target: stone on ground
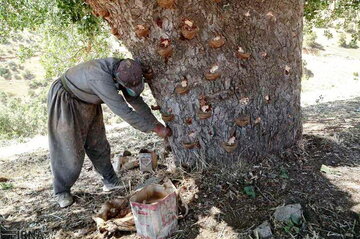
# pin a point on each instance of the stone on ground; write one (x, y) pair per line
(288, 212)
(263, 231)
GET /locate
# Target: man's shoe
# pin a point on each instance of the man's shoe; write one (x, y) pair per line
(117, 185)
(64, 199)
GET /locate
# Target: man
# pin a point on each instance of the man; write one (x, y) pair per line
(76, 122)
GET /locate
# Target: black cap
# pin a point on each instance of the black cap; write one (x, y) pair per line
(129, 74)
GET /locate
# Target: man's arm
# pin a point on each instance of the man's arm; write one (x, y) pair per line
(107, 92)
(142, 108)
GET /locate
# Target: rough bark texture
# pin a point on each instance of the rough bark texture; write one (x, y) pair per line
(264, 86)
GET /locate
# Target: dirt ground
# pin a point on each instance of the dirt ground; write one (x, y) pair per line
(219, 208)
(322, 174)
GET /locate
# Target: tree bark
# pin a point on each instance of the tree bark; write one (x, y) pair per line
(257, 81)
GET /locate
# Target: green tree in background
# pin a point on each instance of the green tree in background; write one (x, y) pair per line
(69, 34)
(32, 14)
(340, 14)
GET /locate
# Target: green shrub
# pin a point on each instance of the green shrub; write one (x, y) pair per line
(4, 40)
(356, 75)
(307, 74)
(338, 26)
(310, 39)
(22, 118)
(5, 73)
(3, 98)
(6, 186)
(35, 84)
(353, 43)
(17, 77)
(328, 34)
(349, 27)
(17, 37)
(27, 75)
(25, 53)
(342, 40)
(308, 28)
(13, 66)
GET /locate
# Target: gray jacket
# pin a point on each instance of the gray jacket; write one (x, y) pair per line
(93, 82)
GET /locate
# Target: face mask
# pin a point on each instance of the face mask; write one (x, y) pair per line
(131, 92)
(128, 90)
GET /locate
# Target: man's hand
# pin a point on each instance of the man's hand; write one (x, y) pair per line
(162, 131)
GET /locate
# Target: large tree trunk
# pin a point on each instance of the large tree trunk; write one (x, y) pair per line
(259, 81)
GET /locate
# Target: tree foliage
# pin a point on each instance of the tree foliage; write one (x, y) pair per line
(31, 14)
(315, 9)
(17, 15)
(19, 118)
(69, 34)
(343, 14)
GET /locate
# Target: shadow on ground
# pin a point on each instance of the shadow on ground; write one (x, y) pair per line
(323, 175)
(219, 208)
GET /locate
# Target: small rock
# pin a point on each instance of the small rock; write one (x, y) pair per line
(263, 231)
(285, 213)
